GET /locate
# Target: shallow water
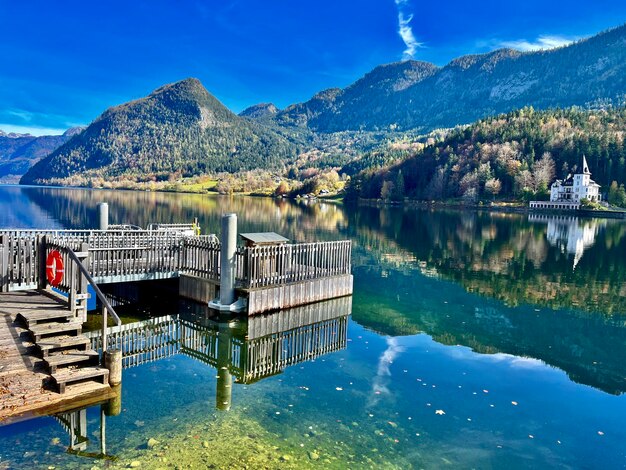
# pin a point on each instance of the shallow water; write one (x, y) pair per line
(475, 340)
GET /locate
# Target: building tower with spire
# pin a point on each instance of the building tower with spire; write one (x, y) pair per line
(575, 188)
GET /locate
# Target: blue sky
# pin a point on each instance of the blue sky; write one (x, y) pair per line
(63, 63)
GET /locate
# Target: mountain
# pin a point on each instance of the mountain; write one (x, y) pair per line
(179, 128)
(260, 110)
(18, 152)
(182, 130)
(417, 95)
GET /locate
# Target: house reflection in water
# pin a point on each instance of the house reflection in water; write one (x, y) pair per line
(248, 350)
(570, 234)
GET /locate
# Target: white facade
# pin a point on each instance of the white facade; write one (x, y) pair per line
(577, 187)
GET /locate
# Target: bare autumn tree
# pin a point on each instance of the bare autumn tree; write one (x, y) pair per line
(543, 172)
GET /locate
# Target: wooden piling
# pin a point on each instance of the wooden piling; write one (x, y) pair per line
(113, 362)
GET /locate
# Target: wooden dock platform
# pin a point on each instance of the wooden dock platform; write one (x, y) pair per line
(26, 386)
(46, 361)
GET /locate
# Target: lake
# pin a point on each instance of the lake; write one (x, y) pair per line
(475, 340)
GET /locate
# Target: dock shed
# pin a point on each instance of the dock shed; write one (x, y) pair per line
(263, 239)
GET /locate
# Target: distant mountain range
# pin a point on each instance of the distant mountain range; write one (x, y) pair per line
(181, 128)
(18, 152)
(408, 95)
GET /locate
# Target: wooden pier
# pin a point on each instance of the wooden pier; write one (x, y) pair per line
(44, 358)
(266, 277)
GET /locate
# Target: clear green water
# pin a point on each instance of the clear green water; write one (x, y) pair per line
(476, 340)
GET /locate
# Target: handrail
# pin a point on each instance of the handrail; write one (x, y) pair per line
(96, 289)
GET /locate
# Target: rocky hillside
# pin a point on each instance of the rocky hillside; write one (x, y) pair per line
(410, 95)
(261, 110)
(178, 129)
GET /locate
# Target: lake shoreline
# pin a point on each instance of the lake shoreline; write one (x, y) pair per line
(510, 207)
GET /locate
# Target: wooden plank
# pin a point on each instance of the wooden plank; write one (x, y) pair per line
(71, 357)
(65, 377)
(48, 346)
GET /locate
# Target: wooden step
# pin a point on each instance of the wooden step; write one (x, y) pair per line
(70, 376)
(72, 357)
(62, 343)
(37, 317)
(55, 328)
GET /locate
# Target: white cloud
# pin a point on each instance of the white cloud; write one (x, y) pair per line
(381, 381)
(541, 43)
(406, 31)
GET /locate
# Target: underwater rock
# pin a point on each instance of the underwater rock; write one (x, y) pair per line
(152, 442)
(314, 455)
(205, 444)
(134, 464)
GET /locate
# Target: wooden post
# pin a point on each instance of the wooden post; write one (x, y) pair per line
(73, 284)
(114, 406)
(41, 262)
(113, 362)
(83, 294)
(4, 263)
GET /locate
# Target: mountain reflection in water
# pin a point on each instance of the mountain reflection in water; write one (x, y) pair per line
(470, 335)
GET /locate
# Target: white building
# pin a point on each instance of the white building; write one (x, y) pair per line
(574, 188)
(568, 193)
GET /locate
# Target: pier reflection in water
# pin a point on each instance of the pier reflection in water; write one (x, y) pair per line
(76, 424)
(247, 350)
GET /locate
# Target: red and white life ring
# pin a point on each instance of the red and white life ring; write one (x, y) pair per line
(54, 268)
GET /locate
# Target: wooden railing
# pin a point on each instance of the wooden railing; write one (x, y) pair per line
(20, 261)
(73, 283)
(271, 354)
(116, 256)
(140, 342)
(282, 264)
(201, 257)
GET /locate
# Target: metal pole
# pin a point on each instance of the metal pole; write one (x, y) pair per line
(104, 329)
(227, 258)
(224, 387)
(103, 216)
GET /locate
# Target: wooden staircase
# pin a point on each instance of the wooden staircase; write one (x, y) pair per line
(65, 351)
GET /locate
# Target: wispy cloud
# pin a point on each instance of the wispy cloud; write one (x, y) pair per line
(406, 31)
(383, 372)
(541, 43)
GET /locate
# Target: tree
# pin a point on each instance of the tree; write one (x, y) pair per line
(282, 188)
(543, 172)
(387, 190)
(617, 195)
(493, 186)
(398, 192)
